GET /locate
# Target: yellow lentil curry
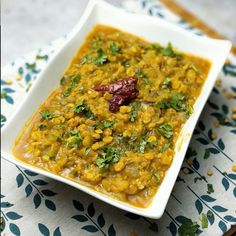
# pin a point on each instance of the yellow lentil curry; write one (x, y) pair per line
(126, 153)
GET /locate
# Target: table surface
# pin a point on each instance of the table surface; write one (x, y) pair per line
(24, 31)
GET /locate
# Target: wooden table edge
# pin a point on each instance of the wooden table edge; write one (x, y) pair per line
(194, 20)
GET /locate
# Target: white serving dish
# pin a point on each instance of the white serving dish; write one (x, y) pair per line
(151, 29)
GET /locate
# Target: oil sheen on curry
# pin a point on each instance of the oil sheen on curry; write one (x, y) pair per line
(113, 121)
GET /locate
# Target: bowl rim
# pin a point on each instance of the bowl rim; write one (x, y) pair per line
(155, 214)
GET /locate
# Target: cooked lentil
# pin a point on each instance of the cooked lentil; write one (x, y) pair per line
(124, 154)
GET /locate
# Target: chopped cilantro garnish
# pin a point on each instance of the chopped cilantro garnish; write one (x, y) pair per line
(74, 139)
(157, 176)
(126, 64)
(119, 138)
(72, 133)
(152, 144)
(75, 78)
(114, 48)
(165, 130)
(87, 150)
(84, 109)
(204, 221)
(166, 83)
(141, 74)
(106, 124)
(143, 144)
(109, 156)
(96, 42)
(73, 81)
(178, 57)
(63, 80)
(85, 59)
(165, 147)
(210, 188)
(188, 228)
(177, 102)
(133, 112)
(168, 51)
(193, 67)
(101, 57)
(157, 47)
(46, 115)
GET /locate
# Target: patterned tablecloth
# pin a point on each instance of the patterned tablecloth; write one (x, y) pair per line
(204, 192)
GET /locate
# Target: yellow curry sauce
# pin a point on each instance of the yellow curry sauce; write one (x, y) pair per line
(124, 154)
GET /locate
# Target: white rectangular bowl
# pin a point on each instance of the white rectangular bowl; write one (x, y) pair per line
(151, 29)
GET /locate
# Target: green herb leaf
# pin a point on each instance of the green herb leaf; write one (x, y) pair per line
(119, 138)
(188, 228)
(126, 64)
(165, 130)
(157, 47)
(62, 80)
(46, 115)
(109, 156)
(165, 147)
(73, 82)
(152, 144)
(204, 221)
(177, 102)
(84, 109)
(85, 59)
(76, 139)
(96, 42)
(143, 144)
(101, 57)
(168, 51)
(87, 150)
(157, 176)
(193, 67)
(140, 73)
(114, 48)
(106, 124)
(166, 83)
(210, 188)
(133, 112)
(178, 57)
(162, 104)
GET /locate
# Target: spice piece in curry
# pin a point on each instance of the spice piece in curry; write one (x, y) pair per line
(124, 154)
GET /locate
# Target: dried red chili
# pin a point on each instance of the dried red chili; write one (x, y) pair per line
(123, 92)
